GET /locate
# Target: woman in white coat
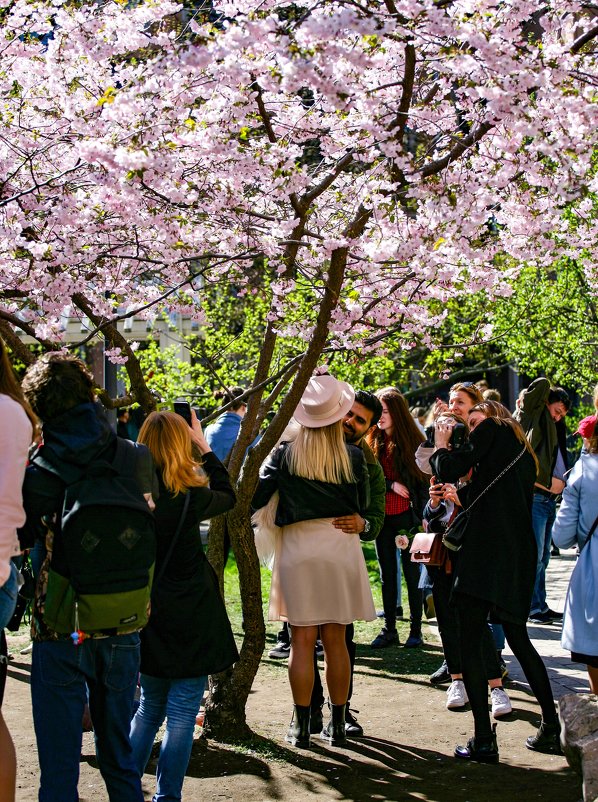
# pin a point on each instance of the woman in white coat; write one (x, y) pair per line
(577, 525)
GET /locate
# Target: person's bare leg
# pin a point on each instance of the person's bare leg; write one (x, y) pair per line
(337, 669)
(301, 664)
(593, 677)
(8, 764)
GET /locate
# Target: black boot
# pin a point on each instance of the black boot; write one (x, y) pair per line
(547, 739)
(482, 749)
(316, 720)
(334, 731)
(298, 734)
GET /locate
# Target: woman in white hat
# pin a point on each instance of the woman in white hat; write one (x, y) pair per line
(319, 577)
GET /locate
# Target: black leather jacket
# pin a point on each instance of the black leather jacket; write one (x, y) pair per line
(305, 499)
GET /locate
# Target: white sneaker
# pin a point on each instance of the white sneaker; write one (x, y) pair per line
(280, 652)
(27, 650)
(501, 704)
(456, 695)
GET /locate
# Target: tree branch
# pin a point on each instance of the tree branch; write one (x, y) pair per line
(37, 186)
(138, 386)
(14, 342)
(584, 39)
(407, 93)
(49, 345)
(464, 144)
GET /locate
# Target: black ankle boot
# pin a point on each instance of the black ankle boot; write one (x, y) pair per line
(334, 731)
(547, 739)
(482, 749)
(298, 734)
(316, 720)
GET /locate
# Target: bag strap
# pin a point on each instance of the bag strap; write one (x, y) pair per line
(496, 478)
(174, 539)
(590, 533)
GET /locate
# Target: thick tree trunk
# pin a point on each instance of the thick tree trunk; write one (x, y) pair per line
(229, 691)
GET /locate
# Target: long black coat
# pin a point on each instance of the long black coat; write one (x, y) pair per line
(188, 633)
(497, 562)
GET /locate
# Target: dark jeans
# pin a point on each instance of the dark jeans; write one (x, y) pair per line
(543, 516)
(317, 695)
(386, 552)
(472, 614)
(448, 628)
(60, 676)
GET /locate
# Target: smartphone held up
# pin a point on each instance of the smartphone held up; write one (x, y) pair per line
(183, 408)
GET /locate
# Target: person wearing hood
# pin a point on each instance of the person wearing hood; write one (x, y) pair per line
(222, 434)
(75, 433)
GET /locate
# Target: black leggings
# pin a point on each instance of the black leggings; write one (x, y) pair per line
(386, 552)
(472, 615)
(448, 628)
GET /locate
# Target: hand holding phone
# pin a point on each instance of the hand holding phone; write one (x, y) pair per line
(436, 492)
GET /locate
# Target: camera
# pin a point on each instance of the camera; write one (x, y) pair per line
(457, 440)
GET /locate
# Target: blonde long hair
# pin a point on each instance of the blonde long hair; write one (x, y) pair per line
(168, 438)
(321, 454)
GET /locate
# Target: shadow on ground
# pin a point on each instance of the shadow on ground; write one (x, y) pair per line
(376, 769)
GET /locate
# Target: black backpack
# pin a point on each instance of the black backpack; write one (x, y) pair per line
(104, 551)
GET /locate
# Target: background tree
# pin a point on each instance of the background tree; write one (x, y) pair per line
(352, 166)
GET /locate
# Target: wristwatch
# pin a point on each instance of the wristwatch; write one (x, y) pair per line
(366, 528)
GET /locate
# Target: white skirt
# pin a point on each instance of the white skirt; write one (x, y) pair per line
(319, 576)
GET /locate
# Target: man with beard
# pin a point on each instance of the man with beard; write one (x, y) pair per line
(364, 414)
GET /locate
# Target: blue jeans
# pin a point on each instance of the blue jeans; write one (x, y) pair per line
(543, 515)
(498, 635)
(177, 701)
(61, 673)
(8, 596)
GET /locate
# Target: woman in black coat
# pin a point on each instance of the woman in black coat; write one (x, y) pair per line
(188, 635)
(494, 571)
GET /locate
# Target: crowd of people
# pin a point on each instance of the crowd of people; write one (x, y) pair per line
(134, 646)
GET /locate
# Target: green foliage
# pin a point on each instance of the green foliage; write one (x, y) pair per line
(546, 326)
(550, 325)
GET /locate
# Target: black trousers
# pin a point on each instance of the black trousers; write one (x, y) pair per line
(448, 628)
(386, 552)
(472, 614)
(317, 695)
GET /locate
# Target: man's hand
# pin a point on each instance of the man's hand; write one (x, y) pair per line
(351, 524)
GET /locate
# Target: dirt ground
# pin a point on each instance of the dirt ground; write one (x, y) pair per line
(406, 754)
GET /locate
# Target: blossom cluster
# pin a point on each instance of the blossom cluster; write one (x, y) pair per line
(424, 144)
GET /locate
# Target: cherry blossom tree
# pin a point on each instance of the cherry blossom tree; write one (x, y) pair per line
(357, 164)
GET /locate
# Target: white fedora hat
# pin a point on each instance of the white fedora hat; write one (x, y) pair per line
(326, 400)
